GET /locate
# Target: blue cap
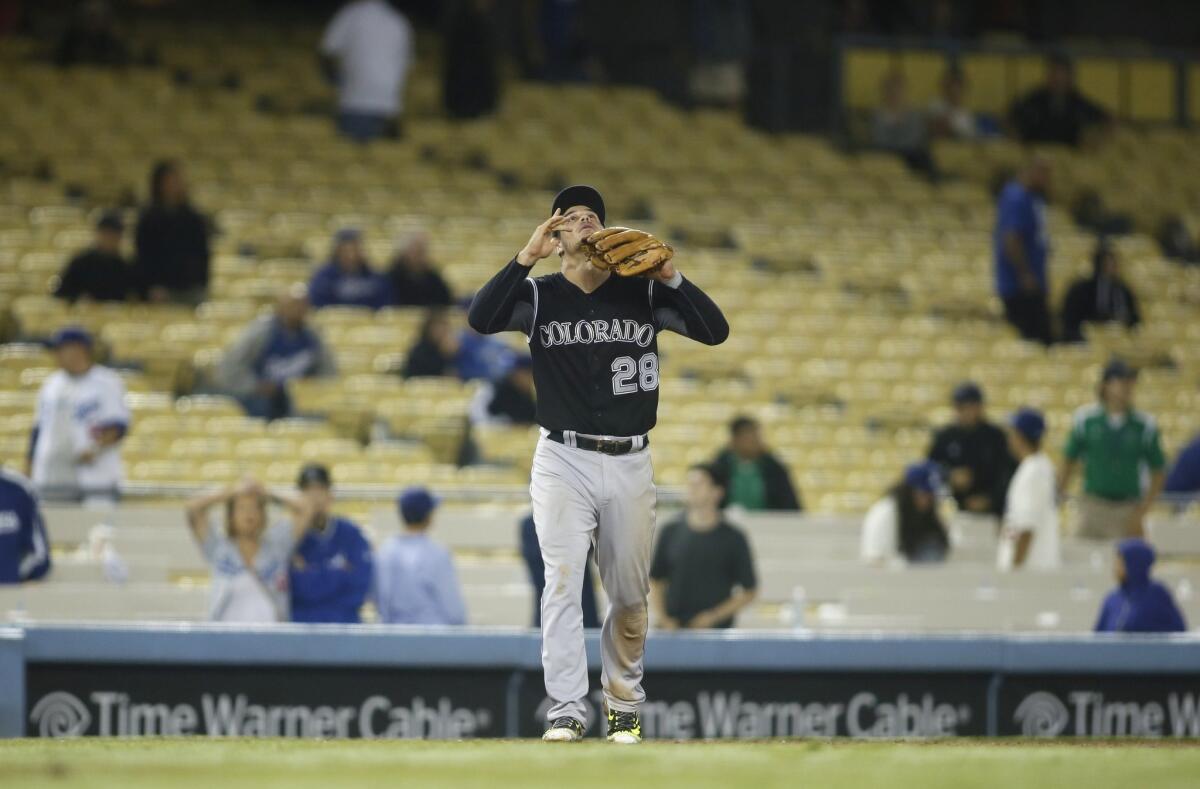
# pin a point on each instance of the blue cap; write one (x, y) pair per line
(416, 504)
(923, 475)
(967, 392)
(347, 234)
(1029, 422)
(71, 334)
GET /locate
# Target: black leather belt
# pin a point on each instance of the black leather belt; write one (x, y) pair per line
(607, 446)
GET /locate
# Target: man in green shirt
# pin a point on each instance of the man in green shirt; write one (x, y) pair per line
(757, 479)
(1115, 442)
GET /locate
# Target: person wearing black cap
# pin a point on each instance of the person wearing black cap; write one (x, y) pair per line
(1116, 444)
(100, 272)
(332, 566)
(1029, 537)
(1103, 297)
(80, 421)
(974, 454)
(593, 339)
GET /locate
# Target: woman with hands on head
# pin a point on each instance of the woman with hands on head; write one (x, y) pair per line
(249, 559)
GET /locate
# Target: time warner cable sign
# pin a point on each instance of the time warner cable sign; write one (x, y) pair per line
(72, 700)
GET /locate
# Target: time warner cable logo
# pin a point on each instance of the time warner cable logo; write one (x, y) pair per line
(1042, 714)
(60, 714)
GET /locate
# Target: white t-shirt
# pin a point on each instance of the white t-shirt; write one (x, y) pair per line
(881, 532)
(1031, 506)
(69, 410)
(374, 46)
(258, 594)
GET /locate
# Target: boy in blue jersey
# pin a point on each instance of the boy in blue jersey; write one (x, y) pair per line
(332, 567)
(24, 547)
(1021, 249)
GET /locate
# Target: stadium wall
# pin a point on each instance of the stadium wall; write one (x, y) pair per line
(374, 681)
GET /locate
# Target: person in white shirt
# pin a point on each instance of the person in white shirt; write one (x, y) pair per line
(249, 559)
(80, 421)
(904, 525)
(1029, 535)
(948, 114)
(367, 50)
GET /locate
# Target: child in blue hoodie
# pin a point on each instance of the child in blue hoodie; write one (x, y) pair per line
(1138, 604)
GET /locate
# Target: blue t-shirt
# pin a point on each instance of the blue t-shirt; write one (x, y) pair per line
(288, 354)
(331, 286)
(24, 548)
(1022, 212)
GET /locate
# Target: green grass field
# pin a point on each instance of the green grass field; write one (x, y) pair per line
(226, 764)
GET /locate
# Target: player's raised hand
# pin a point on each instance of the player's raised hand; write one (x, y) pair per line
(665, 273)
(542, 242)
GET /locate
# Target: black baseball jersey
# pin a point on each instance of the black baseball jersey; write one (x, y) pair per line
(595, 355)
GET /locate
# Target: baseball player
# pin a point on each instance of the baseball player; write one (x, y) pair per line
(593, 339)
(80, 421)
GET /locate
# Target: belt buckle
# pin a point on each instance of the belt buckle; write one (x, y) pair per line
(608, 446)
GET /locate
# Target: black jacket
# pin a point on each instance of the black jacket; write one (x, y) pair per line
(779, 491)
(1040, 117)
(426, 289)
(1098, 300)
(172, 248)
(96, 275)
(984, 450)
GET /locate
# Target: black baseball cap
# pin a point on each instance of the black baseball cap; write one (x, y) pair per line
(1118, 369)
(314, 474)
(111, 220)
(580, 194)
(967, 392)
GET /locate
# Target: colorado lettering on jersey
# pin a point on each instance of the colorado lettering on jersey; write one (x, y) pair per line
(597, 331)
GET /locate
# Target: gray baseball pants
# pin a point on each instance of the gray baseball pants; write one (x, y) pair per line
(581, 498)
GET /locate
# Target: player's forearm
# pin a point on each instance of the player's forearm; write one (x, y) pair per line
(703, 318)
(493, 305)
(1157, 480)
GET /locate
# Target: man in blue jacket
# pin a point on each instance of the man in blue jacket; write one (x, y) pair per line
(347, 279)
(24, 548)
(1138, 604)
(332, 566)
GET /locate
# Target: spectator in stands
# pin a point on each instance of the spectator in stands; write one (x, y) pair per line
(1103, 297)
(1139, 604)
(1029, 537)
(899, 127)
(415, 280)
(367, 50)
(91, 38)
(415, 581)
(80, 421)
(248, 558)
(531, 552)
(435, 349)
(471, 68)
(100, 272)
(1056, 112)
(904, 525)
(508, 400)
(1021, 249)
(274, 350)
(702, 573)
(1184, 479)
(757, 480)
(948, 115)
(482, 357)
(348, 279)
(974, 454)
(24, 546)
(172, 241)
(1115, 443)
(332, 566)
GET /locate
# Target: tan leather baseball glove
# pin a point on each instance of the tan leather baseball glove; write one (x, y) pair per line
(627, 252)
